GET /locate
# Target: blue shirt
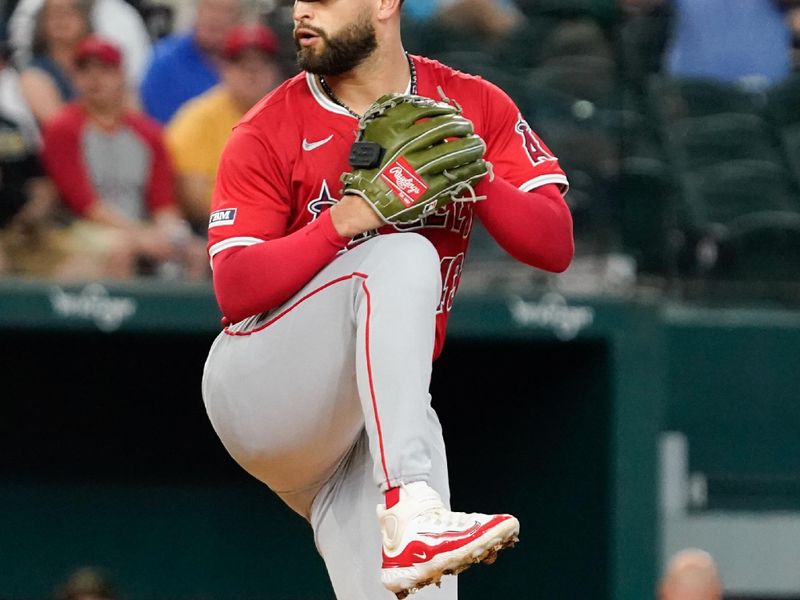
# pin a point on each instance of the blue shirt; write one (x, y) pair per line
(178, 72)
(744, 41)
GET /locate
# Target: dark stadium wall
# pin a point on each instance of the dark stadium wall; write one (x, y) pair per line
(107, 458)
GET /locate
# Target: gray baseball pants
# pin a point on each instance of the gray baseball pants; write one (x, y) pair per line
(325, 399)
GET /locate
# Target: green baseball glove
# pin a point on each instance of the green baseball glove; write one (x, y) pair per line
(412, 156)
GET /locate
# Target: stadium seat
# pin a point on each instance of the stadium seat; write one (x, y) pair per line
(783, 103)
(703, 141)
(604, 11)
(587, 143)
(592, 78)
(742, 220)
(644, 195)
(468, 61)
(641, 40)
(481, 64)
(674, 99)
(522, 47)
(768, 250)
(543, 38)
(434, 36)
(640, 138)
(790, 141)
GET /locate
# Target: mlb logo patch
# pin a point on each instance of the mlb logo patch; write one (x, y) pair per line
(404, 181)
(226, 216)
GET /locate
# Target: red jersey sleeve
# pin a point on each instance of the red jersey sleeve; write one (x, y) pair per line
(524, 210)
(250, 203)
(63, 160)
(517, 154)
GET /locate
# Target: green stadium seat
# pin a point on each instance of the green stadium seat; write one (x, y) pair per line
(768, 250)
(783, 111)
(541, 39)
(640, 138)
(431, 37)
(604, 11)
(742, 220)
(790, 141)
(644, 196)
(586, 141)
(783, 103)
(641, 40)
(522, 47)
(591, 78)
(674, 99)
(468, 61)
(703, 141)
(482, 64)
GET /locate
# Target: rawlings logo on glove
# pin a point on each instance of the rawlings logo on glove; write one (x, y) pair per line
(405, 182)
(413, 156)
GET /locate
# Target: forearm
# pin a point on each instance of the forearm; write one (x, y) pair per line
(253, 279)
(534, 227)
(104, 215)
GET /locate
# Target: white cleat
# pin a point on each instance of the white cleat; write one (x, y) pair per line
(423, 541)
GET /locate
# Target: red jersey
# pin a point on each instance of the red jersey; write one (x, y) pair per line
(281, 167)
(84, 160)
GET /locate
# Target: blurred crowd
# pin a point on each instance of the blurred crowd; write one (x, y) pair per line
(113, 113)
(110, 135)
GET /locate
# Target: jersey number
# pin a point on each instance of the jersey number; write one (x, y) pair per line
(452, 266)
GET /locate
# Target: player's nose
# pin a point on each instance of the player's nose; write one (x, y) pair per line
(303, 10)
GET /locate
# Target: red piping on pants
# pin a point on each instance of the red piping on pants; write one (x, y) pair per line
(312, 293)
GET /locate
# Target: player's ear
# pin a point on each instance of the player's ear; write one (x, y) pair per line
(388, 8)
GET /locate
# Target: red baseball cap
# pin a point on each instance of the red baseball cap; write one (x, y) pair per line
(94, 46)
(253, 36)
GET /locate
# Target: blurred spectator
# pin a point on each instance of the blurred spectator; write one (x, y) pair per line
(12, 102)
(47, 79)
(200, 129)
(114, 19)
(744, 41)
(691, 575)
(492, 17)
(19, 166)
(32, 240)
(86, 584)
(111, 167)
(186, 65)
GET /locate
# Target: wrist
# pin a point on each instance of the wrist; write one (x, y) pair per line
(325, 224)
(341, 221)
(352, 215)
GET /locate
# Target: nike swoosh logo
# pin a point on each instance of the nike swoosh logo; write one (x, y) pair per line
(421, 556)
(309, 146)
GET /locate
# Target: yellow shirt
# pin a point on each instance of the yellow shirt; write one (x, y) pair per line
(198, 132)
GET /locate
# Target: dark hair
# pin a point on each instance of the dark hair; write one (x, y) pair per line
(39, 44)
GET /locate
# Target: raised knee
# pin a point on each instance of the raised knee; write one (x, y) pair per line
(408, 258)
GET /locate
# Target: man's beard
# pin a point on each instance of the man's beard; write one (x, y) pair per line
(342, 52)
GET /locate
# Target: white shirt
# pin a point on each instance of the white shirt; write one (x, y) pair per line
(113, 19)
